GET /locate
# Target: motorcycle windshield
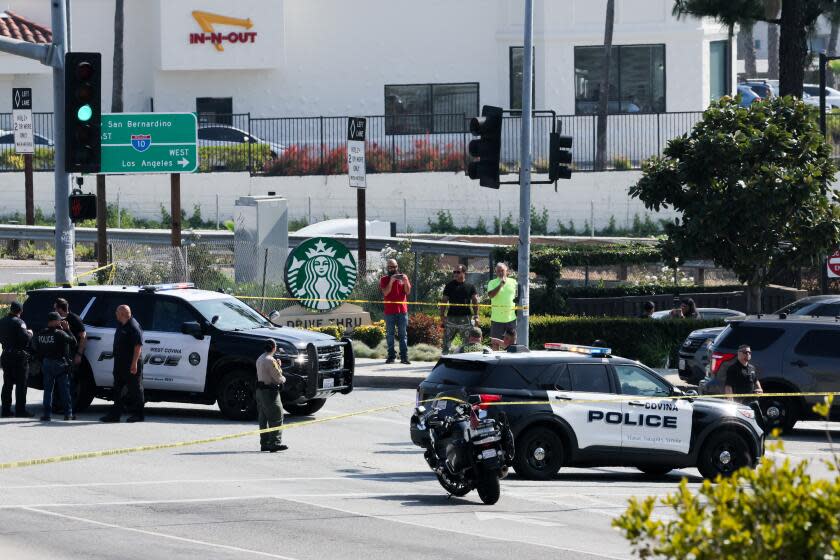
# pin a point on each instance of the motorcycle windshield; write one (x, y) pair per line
(446, 401)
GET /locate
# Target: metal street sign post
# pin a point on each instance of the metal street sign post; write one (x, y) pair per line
(356, 129)
(149, 143)
(22, 120)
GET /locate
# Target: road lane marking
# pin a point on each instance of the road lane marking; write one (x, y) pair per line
(160, 535)
(175, 481)
(467, 533)
(485, 516)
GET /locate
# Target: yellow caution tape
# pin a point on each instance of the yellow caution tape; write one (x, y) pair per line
(432, 303)
(112, 266)
(161, 446)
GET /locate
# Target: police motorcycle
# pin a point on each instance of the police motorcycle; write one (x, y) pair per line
(464, 447)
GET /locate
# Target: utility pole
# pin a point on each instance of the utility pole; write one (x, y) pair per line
(524, 265)
(65, 235)
(53, 55)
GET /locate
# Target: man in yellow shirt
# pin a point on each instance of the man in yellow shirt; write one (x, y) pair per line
(502, 293)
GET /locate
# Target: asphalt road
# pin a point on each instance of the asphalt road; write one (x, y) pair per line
(350, 488)
(15, 271)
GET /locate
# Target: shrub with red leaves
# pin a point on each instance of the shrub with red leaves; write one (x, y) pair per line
(424, 329)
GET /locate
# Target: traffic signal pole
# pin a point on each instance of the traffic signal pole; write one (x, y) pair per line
(64, 233)
(525, 177)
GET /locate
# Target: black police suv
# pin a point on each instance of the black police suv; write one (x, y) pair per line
(594, 409)
(198, 347)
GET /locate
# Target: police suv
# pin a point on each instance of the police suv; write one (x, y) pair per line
(198, 346)
(584, 407)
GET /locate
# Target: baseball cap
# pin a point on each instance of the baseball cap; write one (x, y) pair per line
(15, 306)
(53, 316)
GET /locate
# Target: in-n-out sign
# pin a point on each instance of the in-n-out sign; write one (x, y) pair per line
(833, 265)
(206, 21)
(356, 127)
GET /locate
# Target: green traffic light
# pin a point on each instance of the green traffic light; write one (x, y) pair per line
(84, 113)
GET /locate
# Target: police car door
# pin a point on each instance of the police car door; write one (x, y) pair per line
(101, 324)
(173, 361)
(584, 397)
(652, 423)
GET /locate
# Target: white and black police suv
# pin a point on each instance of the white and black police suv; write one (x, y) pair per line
(599, 410)
(199, 346)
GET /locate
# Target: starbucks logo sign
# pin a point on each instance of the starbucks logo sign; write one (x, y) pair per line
(321, 273)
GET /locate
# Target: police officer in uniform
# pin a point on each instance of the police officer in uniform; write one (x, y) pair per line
(269, 406)
(128, 368)
(742, 379)
(15, 337)
(77, 329)
(53, 345)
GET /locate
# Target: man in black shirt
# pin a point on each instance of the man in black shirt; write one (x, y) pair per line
(15, 337)
(457, 318)
(128, 368)
(53, 345)
(77, 328)
(742, 379)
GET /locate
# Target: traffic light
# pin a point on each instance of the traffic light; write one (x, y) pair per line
(82, 206)
(487, 148)
(82, 112)
(559, 156)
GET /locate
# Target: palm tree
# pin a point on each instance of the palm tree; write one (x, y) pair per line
(117, 86)
(604, 89)
(747, 47)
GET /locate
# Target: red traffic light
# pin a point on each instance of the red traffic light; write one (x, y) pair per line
(82, 207)
(84, 70)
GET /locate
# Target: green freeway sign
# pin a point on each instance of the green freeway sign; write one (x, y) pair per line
(149, 143)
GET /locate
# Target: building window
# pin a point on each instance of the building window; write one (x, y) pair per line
(637, 79)
(719, 83)
(430, 108)
(214, 110)
(515, 69)
(757, 44)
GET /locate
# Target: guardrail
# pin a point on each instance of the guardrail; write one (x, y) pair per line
(164, 237)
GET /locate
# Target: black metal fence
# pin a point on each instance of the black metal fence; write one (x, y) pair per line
(317, 145)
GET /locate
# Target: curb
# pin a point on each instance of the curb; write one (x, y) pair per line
(387, 381)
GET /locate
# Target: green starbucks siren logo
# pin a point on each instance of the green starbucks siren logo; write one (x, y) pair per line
(321, 273)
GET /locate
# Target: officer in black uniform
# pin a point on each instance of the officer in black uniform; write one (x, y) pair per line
(53, 345)
(128, 368)
(77, 329)
(15, 337)
(742, 379)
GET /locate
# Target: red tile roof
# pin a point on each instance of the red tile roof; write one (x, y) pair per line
(17, 27)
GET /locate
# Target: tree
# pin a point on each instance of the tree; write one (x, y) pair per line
(773, 52)
(746, 44)
(797, 16)
(752, 185)
(834, 20)
(117, 85)
(604, 88)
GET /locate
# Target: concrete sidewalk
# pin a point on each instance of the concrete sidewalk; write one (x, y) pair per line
(379, 375)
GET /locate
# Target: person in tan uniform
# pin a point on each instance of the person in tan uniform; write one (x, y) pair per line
(269, 406)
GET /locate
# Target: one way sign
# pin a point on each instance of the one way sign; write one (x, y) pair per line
(356, 127)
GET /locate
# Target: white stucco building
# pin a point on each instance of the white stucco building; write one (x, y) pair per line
(337, 57)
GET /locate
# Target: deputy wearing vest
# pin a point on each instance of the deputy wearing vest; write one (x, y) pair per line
(15, 337)
(269, 406)
(53, 345)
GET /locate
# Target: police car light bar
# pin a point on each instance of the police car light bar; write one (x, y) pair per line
(162, 287)
(578, 349)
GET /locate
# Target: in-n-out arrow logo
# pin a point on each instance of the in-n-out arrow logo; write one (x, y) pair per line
(206, 20)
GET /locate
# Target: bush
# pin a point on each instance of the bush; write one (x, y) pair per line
(423, 353)
(647, 340)
(233, 158)
(23, 287)
(371, 335)
(424, 329)
(336, 331)
(622, 163)
(776, 511)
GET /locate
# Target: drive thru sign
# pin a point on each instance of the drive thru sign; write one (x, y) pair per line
(356, 151)
(834, 265)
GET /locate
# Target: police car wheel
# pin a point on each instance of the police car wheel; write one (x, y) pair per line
(235, 395)
(655, 470)
(539, 454)
(723, 454)
(779, 413)
(305, 409)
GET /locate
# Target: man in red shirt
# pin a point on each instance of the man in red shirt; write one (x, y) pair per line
(395, 288)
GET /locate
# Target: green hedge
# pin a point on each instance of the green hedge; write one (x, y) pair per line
(233, 157)
(548, 260)
(648, 340)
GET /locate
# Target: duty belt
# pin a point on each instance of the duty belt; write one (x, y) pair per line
(261, 385)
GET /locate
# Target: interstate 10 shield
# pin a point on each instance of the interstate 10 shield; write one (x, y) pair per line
(320, 273)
